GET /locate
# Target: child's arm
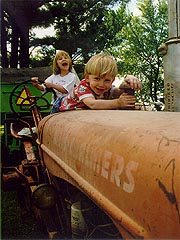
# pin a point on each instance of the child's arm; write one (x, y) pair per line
(123, 101)
(35, 82)
(58, 87)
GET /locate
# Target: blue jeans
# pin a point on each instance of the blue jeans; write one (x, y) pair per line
(56, 105)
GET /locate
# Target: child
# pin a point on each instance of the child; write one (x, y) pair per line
(62, 80)
(96, 90)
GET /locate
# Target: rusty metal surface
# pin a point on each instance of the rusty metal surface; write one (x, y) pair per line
(128, 162)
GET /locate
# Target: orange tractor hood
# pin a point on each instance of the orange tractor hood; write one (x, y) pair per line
(127, 162)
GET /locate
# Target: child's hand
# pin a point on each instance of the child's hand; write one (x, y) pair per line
(48, 85)
(35, 81)
(126, 101)
(134, 82)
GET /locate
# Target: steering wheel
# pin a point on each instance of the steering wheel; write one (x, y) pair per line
(21, 100)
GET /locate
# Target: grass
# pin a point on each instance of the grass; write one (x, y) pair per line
(12, 224)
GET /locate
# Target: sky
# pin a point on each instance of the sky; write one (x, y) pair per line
(133, 7)
(40, 33)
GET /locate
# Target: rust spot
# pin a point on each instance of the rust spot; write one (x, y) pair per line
(169, 195)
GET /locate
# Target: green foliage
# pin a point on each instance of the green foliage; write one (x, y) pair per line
(138, 52)
(114, 21)
(80, 26)
(43, 56)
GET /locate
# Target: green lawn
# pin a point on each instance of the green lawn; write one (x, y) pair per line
(12, 225)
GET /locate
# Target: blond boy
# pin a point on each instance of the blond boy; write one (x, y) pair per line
(94, 91)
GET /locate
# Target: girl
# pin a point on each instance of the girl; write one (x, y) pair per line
(62, 80)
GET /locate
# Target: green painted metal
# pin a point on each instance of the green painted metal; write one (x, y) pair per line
(6, 113)
(7, 88)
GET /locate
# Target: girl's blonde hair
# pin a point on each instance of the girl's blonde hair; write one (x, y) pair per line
(101, 64)
(60, 53)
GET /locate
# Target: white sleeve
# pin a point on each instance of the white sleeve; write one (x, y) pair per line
(49, 80)
(43, 87)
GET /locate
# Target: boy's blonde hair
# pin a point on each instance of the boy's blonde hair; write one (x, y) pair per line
(60, 53)
(101, 64)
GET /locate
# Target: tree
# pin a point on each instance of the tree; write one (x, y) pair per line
(17, 18)
(141, 38)
(79, 26)
(4, 59)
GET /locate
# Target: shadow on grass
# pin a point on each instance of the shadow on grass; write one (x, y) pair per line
(12, 224)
